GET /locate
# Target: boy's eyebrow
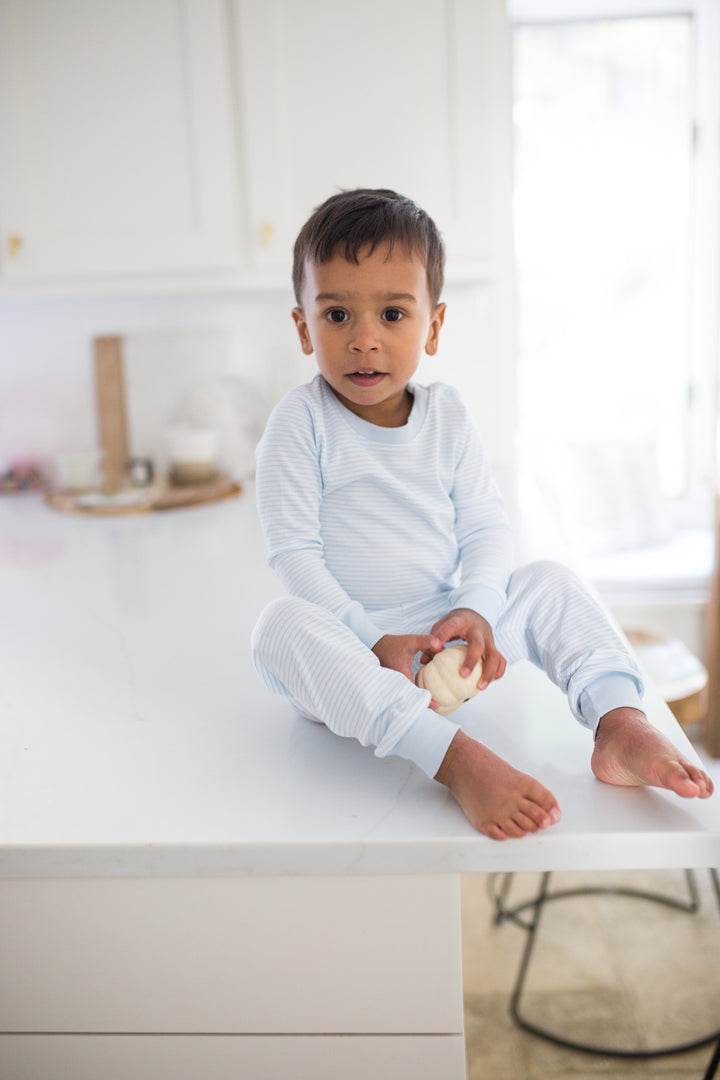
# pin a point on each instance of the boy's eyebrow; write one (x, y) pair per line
(382, 296)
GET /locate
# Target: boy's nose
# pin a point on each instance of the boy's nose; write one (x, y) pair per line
(364, 339)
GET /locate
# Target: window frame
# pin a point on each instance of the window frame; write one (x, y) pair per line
(694, 508)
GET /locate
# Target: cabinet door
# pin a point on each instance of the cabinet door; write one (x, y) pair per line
(337, 94)
(255, 955)
(115, 135)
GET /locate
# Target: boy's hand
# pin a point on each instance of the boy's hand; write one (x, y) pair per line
(397, 651)
(476, 632)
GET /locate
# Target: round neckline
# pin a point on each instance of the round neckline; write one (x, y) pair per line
(376, 433)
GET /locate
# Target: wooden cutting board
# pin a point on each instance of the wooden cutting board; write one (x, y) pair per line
(162, 496)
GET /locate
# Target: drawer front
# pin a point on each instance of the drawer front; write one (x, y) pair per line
(234, 1057)
(234, 955)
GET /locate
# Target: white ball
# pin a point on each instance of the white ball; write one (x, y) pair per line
(441, 676)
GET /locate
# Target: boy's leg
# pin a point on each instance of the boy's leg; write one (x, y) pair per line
(552, 620)
(306, 654)
(496, 798)
(630, 752)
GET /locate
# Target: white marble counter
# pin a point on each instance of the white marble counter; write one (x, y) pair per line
(136, 740)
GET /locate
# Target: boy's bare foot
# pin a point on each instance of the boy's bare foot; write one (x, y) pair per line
(630, 752)
(496, 799)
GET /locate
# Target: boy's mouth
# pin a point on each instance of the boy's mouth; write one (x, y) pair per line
(366, 377)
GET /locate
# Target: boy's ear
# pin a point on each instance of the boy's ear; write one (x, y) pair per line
(302, 329)
(438, 317)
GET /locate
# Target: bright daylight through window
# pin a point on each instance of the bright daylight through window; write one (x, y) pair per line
(616, 383)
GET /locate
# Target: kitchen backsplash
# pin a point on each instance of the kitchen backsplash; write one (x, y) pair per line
(47, 403)
(173, 344)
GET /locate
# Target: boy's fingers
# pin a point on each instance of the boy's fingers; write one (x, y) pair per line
(493, 668)
(437, 642)
(450, 626)
(489, 669)
(473, 654)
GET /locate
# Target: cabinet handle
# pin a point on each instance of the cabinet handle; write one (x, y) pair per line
(267, 232)
(14, 243)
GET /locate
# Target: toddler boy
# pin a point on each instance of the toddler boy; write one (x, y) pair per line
(383, 522)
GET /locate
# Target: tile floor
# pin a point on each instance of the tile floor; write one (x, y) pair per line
(609, 970)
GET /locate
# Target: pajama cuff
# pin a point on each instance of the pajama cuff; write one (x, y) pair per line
(427, 741)
(606, 693)
(480, 598)
(356, 620)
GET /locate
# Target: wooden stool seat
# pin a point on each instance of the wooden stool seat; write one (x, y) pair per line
(678, 674)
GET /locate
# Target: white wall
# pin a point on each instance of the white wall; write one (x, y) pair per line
(46, 373)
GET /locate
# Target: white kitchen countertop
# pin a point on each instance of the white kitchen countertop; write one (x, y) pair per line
(136, 739)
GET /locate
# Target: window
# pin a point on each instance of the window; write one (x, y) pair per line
(617, 238)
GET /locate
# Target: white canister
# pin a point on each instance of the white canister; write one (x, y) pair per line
(192, 454)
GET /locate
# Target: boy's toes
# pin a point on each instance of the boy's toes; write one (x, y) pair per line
(702, 780)
(494, 832)
(513, 828)
(547, 803)
(680, 778)
(540, 816)
(694, 782)
(526, 822)
(526, 818)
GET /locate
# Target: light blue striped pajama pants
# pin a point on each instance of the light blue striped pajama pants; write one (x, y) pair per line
(302, 651)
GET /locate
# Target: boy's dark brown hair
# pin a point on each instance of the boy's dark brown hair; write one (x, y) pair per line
(350, 221)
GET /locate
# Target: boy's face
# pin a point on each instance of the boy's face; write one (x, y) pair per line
(368, 325)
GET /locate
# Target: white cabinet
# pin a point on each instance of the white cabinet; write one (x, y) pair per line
(123, 127)
(255, 977)
(387, 93)
(116, 124)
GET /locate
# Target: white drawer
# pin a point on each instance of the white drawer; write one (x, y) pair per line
(231, 1057)
(231, 955)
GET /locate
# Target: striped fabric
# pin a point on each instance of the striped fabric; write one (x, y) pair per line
(306, 654)
(384, 530)
(360, 518)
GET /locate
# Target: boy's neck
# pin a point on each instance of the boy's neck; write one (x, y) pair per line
(388, 414)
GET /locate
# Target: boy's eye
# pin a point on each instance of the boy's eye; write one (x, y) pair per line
(392, 314)
(337, 315)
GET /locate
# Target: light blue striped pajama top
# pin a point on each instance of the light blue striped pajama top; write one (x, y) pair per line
(360, 518)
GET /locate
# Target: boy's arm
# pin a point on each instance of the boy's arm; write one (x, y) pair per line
(397, 651)
(289, 492)
(484, 538)
(483, 533)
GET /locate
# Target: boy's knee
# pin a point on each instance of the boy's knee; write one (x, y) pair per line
(278, 618)
(547, 577)
(547, 582)
(550, 570)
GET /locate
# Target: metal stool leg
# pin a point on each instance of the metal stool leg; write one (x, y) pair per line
(504, 913)
(714, 1063)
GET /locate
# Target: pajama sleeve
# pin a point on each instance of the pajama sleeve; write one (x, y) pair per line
(483, 532)
(289, 491)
